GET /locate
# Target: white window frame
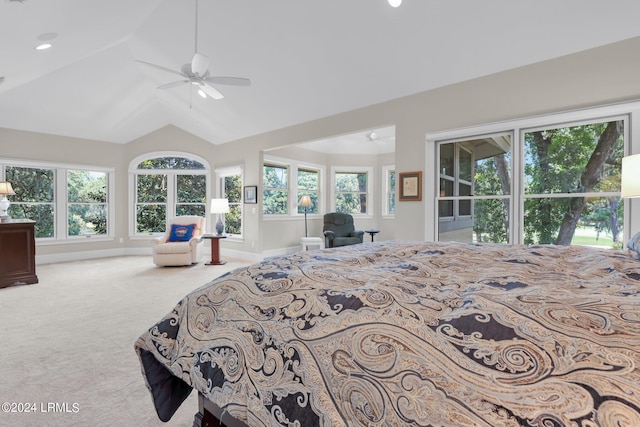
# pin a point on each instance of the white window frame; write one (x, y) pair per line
(370, 195)
(629, 112)
(60, 214)
(171, 185)
(221, 174)
(293, 166)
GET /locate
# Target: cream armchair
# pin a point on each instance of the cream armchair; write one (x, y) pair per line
(181, 243)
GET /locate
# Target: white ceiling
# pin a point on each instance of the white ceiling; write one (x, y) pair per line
(306, 58)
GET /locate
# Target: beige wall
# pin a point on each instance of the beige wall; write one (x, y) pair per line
(595, 77)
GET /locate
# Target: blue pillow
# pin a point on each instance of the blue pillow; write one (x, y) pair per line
(181, 233)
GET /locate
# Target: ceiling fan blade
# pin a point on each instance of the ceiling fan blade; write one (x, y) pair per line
(211, 91)
(199, 64)
(172, 84)
(159, 67)
(223, 80)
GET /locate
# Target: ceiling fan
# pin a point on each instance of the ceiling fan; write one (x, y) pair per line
(197, 73)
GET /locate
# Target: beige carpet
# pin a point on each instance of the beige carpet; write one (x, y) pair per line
(66, 349)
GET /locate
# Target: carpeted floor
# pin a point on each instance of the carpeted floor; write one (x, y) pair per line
(66, 349)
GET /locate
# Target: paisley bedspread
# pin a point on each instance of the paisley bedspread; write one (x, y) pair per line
(409, 334)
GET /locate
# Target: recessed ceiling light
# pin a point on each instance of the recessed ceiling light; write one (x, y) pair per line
(43, 46)
(395, 3)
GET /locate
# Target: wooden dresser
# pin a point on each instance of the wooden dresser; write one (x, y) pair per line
(17, 253)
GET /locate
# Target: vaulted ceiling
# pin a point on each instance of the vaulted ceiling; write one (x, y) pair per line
(306, 58)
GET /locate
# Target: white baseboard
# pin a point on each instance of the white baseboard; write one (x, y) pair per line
(78, 256)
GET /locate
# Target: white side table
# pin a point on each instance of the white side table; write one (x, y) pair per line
(311, 242)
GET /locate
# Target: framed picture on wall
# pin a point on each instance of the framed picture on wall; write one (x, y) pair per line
(410, 186)
(251, 194)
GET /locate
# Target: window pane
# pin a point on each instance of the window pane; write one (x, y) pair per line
(308, 180)
(86, 187)
(447, 159)
(31, 184)
(465, 165)
(574, 159)
(275, 177)
(87, 219)
(491, 221)
(275, 202)
(488, 224)
(233, 220)
(351, 181)
(152, 189)
(233, 188)
(598, 221)
(191, 188)
(351, 203)
(151, 218)
(493, 175)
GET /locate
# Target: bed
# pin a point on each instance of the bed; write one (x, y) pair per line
(408, 333)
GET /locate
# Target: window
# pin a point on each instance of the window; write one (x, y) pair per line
(389, 185)
(231, 188)
(87, 203)
(471, 178)
(572, 183)
(275, 190)
(565, 189)
(309, 184)
(34, 198)
(351, 191)
(166, 186)
(66, 202)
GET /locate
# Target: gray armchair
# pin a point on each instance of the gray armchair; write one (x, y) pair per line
(339, 230)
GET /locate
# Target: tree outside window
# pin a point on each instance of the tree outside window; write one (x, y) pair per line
(233, 193)
(351, 192)
(275, 190)
(168, 186)
(571, 181)
(309, 184)
(34, 199)
(86, 203)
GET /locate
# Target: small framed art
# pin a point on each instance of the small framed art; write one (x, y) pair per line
(251, 194)
(410, 186)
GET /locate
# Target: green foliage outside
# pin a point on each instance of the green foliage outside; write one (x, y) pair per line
(34, 197)
(351, 192)
(275, 190)
(572, 160)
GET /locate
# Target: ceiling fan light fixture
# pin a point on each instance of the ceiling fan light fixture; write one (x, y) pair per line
(395, 3)
(202, 94)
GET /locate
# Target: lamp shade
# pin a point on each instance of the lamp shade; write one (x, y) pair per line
(305, 201)
(631, 176)
(6, 189)
(219, 206)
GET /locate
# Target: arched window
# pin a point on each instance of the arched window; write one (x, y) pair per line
(165, 185)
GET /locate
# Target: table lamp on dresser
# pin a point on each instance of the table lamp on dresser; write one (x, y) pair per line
(5, 190)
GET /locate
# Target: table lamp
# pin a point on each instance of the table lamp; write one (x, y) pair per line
(630, 187)
(306, 202)
(5, 190)
(220, 207)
